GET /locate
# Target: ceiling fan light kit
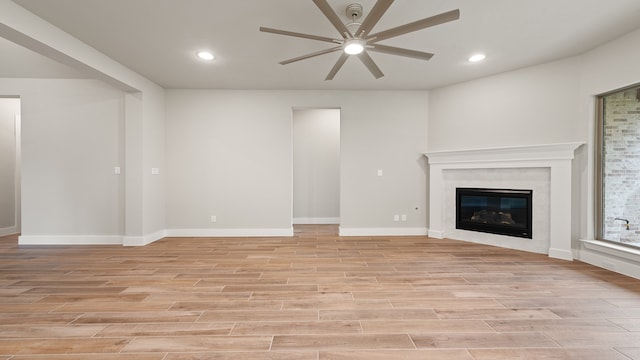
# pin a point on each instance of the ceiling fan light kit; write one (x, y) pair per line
(359, 42)
(354, 46)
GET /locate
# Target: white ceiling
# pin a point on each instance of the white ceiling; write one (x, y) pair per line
(159, 38)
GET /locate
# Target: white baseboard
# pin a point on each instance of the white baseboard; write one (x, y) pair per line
(143, 240)
(149, 238)
(70, 240)
(561, 254)
(8, 231)
(436, 234)
(229, 232)
(317, 221)
(383, 231)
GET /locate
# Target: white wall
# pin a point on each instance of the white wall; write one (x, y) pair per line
(383, 131)
(608, 67)
(536, 105)
(71, 142)
(9, 109)
(229, 154)
(143, 146)
(316, 166)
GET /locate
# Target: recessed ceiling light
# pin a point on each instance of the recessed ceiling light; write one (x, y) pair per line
(205, 55)
(477, 57)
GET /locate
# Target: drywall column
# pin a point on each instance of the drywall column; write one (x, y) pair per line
(133, 170)
(560, 187)
(436, 228)
(144, 168)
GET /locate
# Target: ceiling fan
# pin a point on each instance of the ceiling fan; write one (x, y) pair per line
(360, 41)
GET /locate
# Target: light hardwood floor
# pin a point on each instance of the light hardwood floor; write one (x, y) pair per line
(311, 296)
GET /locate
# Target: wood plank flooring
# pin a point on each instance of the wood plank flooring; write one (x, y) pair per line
(312, 296)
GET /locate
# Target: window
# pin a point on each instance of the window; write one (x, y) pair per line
(618, 167)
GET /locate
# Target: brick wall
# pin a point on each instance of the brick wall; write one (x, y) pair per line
(622, 166)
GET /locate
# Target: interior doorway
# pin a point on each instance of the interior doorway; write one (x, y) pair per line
(316, 166)
(10, 161)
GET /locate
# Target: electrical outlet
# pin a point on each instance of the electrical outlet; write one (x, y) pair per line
(214, 218)
(404, 217)
(396, 217)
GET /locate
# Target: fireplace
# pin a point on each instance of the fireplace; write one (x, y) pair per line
(496, 211)
(546, 169)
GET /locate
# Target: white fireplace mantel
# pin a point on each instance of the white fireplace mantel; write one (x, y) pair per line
(556, 157)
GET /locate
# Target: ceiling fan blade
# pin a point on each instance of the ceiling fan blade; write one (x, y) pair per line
(374, 16)
(368, 62)
(415, 26)
(300, 35)
(326, 9)
(334, 70)
(314, 54)
(401, 52)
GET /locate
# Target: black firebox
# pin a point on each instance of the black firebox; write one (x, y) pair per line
(497, 211)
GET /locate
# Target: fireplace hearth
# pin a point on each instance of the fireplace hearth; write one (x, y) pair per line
(496, 211)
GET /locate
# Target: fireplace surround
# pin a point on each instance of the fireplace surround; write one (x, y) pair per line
(551, 163)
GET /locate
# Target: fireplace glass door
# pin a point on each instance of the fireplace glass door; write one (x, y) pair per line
(497, 211)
